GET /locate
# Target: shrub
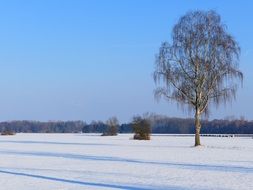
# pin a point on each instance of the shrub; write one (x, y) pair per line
(141, 128)
(112, 127)
(8, 132)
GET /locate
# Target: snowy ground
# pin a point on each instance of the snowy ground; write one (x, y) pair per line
(81, 161)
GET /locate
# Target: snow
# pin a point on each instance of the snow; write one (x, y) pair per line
(89, 161)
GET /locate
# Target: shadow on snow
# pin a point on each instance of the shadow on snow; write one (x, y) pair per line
(126, 187)
(220, 168)
(85, 144)
(73, 181)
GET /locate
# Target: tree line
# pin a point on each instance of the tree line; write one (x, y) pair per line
(159, 124)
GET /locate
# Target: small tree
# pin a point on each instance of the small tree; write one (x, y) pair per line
(112, 127)
(141, 128)
(200, 66)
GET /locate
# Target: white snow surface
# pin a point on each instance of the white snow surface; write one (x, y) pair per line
(90, 161)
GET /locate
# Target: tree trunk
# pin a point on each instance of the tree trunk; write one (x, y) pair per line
(197, 128)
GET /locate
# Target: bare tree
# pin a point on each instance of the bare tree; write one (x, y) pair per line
(200, 66)
(113, 127)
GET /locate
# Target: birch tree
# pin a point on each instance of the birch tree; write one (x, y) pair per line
(200, 66)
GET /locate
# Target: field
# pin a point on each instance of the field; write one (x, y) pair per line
(82, 161)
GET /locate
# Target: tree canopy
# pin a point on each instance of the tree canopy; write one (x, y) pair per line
(200, 66)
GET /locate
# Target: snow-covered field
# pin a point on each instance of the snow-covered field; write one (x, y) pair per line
(82, 161)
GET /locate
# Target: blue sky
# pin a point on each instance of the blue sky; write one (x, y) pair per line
(89, 60)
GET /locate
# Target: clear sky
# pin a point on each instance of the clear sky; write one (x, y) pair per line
(89, 60)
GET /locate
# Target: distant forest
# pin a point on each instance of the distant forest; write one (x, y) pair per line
(159, 124)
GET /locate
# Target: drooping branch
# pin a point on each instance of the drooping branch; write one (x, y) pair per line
(201, 64)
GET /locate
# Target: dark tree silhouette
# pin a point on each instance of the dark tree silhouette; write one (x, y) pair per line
(200, 66)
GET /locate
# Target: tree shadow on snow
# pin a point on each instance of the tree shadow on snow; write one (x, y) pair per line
(88, 144)
(114, 186)
(221, 168)
(55, 143)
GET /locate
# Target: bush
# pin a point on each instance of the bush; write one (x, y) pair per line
(141, 128)
(141, 137)
(112, 127)
(7, 132)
